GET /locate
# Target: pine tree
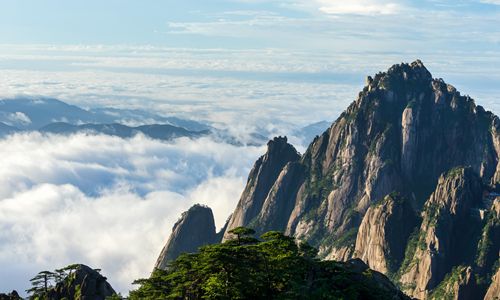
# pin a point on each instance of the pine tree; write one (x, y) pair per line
(41, 283)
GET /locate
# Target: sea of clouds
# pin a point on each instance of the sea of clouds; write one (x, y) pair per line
(105, 201)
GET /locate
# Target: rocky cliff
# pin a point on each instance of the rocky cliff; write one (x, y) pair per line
(488, 249)
(493, 292)
(383, 233)
(385, 183)
(10, 296)
(263, 180)
(195, 228)
(81, 284)
(450, 221)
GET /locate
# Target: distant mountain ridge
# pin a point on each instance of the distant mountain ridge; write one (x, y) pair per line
(309, 132)
(34, 113)
(155, 131)
(53, 116)
(41, 113)
(405, 177)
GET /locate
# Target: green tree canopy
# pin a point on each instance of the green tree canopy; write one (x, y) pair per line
(274, 267)
(243, 235)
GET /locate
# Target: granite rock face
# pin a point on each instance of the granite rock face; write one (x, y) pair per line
(277, 207)
(263, 176)
(459, 285)
(357, 267)
(383, 233)
(450, 222)
(489, 248)
(493, 292)
(195, 228)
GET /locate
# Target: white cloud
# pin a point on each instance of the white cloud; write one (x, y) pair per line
(49, 226)
(105, 201)
(495, 2)
(359, 7)
(238, 101)
(240, 89)
(16, 118)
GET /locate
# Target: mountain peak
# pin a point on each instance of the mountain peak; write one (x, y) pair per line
(278, 140)
(278, 144)
(195, 228)
(79, 282)
(414, 70)
(265, 172)
(414, 74)
(280, 152)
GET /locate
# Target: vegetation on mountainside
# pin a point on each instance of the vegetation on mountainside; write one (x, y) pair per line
(444, 290)
(485, 244)
(45, 281)
(415, 241)
(275, 267)
(72, 282)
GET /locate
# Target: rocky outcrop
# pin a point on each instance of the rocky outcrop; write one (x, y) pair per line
(460, 284)
(448, 224)
(340, 253)
(383, 233)
(195, 228)
(495, 133)
(262, 178)
(357, 268)
(10, 296)
(83, 283)
(493, 292)
(278, 205)
(489, 249)
(489, 245)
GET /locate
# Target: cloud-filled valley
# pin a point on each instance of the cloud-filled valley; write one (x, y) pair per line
(106, 201)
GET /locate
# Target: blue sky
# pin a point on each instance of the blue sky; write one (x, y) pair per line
(298, 24)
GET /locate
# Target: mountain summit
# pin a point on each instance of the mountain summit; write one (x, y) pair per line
(408, 173)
